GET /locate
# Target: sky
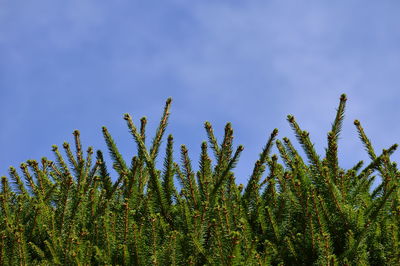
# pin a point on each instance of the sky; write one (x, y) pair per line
(82, 64)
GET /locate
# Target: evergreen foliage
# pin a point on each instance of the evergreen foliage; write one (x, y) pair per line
(304, 212)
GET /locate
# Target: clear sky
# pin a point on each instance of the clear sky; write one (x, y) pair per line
(82, 64)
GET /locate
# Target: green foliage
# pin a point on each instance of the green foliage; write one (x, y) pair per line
(70, 212)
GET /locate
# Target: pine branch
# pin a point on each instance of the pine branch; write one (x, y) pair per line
(189, 177)
(119, 163)
(333, 135)
(211, 138)
(363, 137)
(259, 168)
(160, 130)
(205, 172)
(292, 151)
(232, 163)
(304, 140)
(168, 174)
(18, 182)
(150, 164)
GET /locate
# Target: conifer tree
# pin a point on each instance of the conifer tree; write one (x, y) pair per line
(306, 211)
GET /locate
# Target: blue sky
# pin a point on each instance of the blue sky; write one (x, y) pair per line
(82, 64)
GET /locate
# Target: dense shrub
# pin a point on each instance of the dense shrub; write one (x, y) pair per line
(308, 211)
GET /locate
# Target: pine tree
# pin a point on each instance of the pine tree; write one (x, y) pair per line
(306, 211)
